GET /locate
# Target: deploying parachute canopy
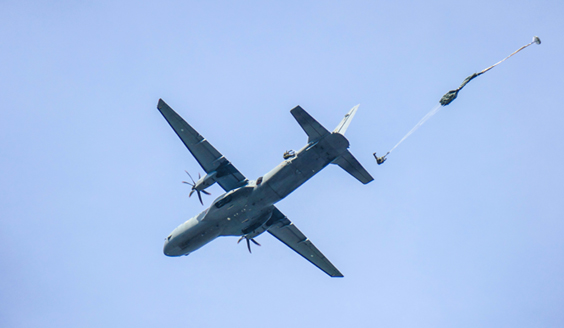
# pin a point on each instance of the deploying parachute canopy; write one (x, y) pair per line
(451, 95)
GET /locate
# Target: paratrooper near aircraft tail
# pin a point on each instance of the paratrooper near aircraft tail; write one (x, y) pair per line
(247, 209)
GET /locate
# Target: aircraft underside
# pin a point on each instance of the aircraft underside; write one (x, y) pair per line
(247, 208)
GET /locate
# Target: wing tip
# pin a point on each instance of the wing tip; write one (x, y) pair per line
(298, 107)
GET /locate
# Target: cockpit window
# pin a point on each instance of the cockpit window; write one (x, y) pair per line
(259, 181)
(168, 238)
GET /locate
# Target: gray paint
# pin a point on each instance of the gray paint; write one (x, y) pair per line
(247, 210)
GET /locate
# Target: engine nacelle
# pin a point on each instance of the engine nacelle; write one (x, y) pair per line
(259, 226)
(205, 181)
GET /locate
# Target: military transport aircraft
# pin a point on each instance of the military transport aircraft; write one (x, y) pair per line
(247, 208)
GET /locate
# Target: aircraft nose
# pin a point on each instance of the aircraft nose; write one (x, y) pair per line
(171, 248)
(167, 248)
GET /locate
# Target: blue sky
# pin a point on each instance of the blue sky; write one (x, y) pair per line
(462, 226)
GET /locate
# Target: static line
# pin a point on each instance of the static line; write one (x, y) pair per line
(433, 111)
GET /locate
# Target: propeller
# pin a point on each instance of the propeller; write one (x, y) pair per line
(193, 184)
(248, 242)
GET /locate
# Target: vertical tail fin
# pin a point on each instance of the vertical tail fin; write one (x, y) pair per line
(342, 127)
(316, 131)
(347, 161)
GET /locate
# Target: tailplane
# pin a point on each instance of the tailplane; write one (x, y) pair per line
(312, 128)
(350, 164)
(315, 131)
(347, 161)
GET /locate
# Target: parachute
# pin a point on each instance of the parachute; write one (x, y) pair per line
(450, 96)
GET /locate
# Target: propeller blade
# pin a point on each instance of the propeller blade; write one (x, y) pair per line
(190, 176)
(200, 197)
(249, 246)
(255, 242)
(193, 184)
(248, 240)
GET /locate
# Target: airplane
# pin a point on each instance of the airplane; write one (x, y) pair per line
(247, 208)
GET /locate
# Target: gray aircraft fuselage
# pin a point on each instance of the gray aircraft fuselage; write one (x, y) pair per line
(245, 210)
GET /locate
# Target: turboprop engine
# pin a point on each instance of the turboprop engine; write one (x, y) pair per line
(200, 185)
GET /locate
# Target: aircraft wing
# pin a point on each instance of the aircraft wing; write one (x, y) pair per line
(285, 231)
(228, 177)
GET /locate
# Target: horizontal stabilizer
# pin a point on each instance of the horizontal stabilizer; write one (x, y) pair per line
(350, 164)
(312, 128)
(343, 126)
